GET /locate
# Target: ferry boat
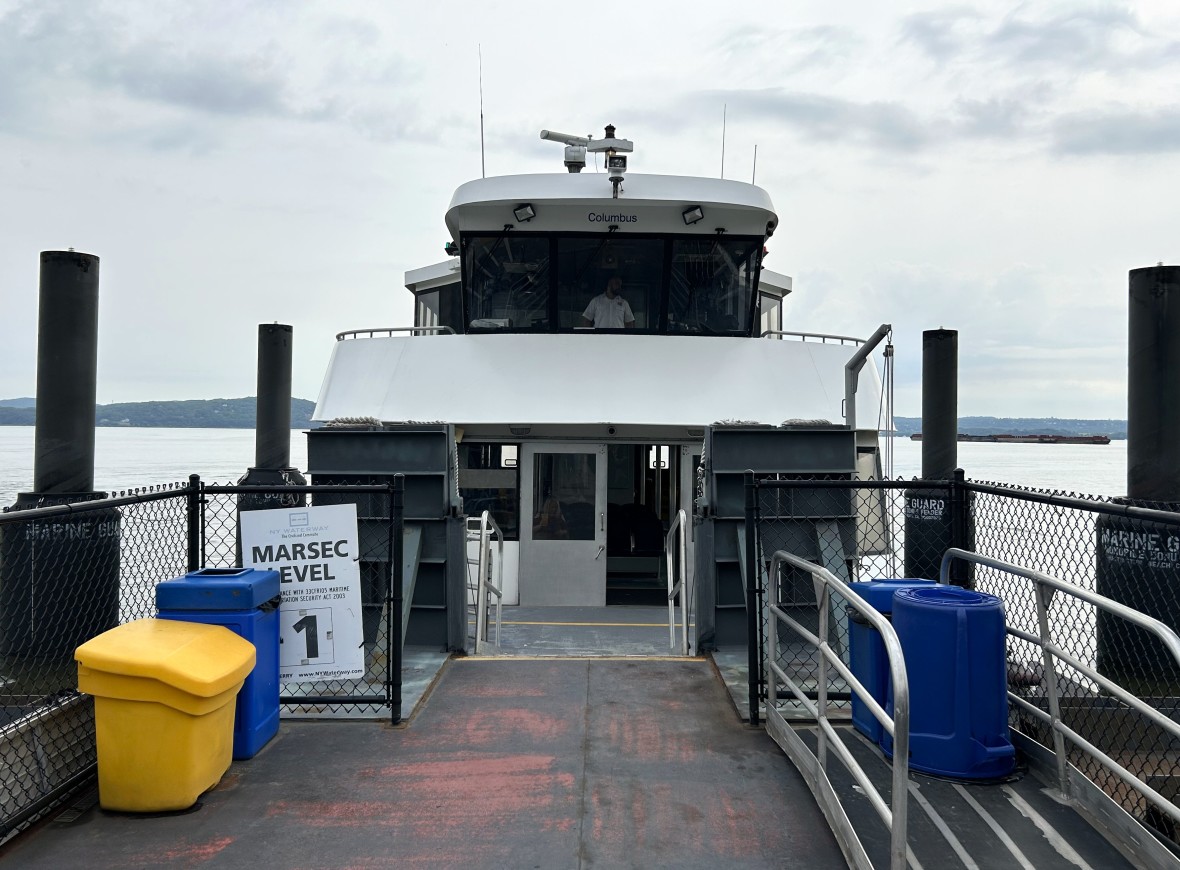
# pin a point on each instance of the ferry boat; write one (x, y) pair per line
(583, 435)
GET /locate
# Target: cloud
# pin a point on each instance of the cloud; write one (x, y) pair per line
(999, 117)
(1118, 132)
(806, 49)
(1077, 39)
(165, 68)
(56, 54)
(1082, 38)
(193, 80)
(943, 35)
(886, 125)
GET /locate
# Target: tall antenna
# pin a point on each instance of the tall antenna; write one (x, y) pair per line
(754, 172)
(483, 169)
(724, 106)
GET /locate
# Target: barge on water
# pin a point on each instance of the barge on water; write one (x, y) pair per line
(1027, 439)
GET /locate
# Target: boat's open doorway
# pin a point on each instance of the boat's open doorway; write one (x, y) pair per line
(594, 518)
(643, 494)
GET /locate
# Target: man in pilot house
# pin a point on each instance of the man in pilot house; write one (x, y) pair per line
(609, 310)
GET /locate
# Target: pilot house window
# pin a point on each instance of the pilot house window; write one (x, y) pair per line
(698, 285)
(508, 282)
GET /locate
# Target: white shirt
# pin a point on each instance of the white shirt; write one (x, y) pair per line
(607, 313)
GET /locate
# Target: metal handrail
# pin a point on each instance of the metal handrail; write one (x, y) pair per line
(389, 330)
(486, 526)
(1046, 588)
(823, 337)
(676, 580)
(895, 816)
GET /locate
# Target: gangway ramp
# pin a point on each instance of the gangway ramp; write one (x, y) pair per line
(550, 763)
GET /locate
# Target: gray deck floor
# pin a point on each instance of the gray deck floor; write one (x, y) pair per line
(543, 763)
(584, 744)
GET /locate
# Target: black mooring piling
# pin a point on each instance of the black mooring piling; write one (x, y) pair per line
(61, 575)
(272, 432)
(272, 439)
(67, 373)
(940, 403)
(930, 514)
(1153, 384)
(1137, 562)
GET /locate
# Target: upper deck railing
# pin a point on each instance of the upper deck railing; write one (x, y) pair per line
(822, 337)
(390, 330)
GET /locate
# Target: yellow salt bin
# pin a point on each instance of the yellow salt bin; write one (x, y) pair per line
(164, 696)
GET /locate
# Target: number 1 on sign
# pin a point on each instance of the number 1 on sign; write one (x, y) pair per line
(310, 629)
(306, 637)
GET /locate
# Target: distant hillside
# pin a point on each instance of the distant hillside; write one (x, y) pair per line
(1022, 426)
(22, 402)
(189, 414)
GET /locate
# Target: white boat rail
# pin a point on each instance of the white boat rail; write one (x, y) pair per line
(823, 337)
(675, 549)
(485, 587)
(390, 330)
(1051, 653)
(813, 765)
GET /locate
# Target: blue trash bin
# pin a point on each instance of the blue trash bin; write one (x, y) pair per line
(954, 645)
(866, 651)
(246, 601)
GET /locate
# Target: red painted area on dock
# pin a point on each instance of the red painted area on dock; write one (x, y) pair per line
(544, 764)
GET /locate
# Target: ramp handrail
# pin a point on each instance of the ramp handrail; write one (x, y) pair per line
(485, 587)
(677, 585)
(814, 765)
(1046, 588)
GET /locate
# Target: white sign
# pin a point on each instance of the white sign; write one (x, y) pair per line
(314, 549)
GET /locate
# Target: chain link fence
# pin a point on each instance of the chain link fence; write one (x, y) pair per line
(69, 572)
(869, 530)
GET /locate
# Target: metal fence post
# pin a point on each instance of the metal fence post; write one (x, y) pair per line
(962, 573)
(395, 605)
(752, 599)
(194, 518)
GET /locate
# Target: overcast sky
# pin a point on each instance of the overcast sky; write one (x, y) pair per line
(990, 167)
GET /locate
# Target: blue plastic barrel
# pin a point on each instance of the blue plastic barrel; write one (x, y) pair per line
(246, 601)
(866, 651)
(954, 645)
